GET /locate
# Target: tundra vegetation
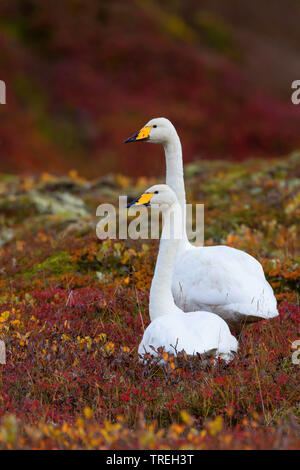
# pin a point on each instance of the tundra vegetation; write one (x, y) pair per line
(73, 309)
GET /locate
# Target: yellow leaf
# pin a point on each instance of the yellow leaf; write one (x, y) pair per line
(215, 426)
(88, 413)
(186, 418)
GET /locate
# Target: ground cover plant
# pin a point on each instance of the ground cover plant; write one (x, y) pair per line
(73, 309)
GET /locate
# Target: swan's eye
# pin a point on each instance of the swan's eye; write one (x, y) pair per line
(154, 125)
(155, 192)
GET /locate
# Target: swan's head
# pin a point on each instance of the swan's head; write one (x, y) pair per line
(157, 131)
(160, 195)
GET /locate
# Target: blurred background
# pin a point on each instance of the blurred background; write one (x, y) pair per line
(82, 75)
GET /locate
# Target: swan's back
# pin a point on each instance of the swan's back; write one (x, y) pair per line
(224, 280)
(194, 332)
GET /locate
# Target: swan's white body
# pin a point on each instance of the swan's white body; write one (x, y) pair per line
(225, 281)
(221, 279)
(194, 332)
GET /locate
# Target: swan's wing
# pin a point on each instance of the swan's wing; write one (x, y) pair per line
(212, 330)
(194, 332)
(221, 279)
(167, 331)
(157, 335)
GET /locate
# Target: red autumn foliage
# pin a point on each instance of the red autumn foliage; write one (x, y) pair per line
(82, 77)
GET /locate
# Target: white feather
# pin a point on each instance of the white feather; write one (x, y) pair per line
(197, 332)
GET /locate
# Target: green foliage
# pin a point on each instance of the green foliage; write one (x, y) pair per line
(57, 264)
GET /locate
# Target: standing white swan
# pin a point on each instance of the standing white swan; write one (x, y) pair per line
(195, 332)
(220, 279)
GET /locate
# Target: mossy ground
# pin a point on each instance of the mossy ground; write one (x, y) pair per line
(73, 309)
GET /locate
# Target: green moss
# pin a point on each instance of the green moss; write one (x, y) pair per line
(59, 263)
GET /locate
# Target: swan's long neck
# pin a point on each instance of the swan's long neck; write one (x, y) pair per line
(175, 179)
(161, 298)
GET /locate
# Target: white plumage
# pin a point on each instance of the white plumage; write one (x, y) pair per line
(225, 281)
(194, 332)
(221, 279)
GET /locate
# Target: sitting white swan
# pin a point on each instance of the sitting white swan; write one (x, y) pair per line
(195, 332)
(220, 279)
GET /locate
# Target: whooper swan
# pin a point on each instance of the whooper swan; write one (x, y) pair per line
(194, 332)
(219, 279)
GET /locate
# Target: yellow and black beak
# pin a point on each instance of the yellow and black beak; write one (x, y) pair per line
(143, 134)
(143, 200)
